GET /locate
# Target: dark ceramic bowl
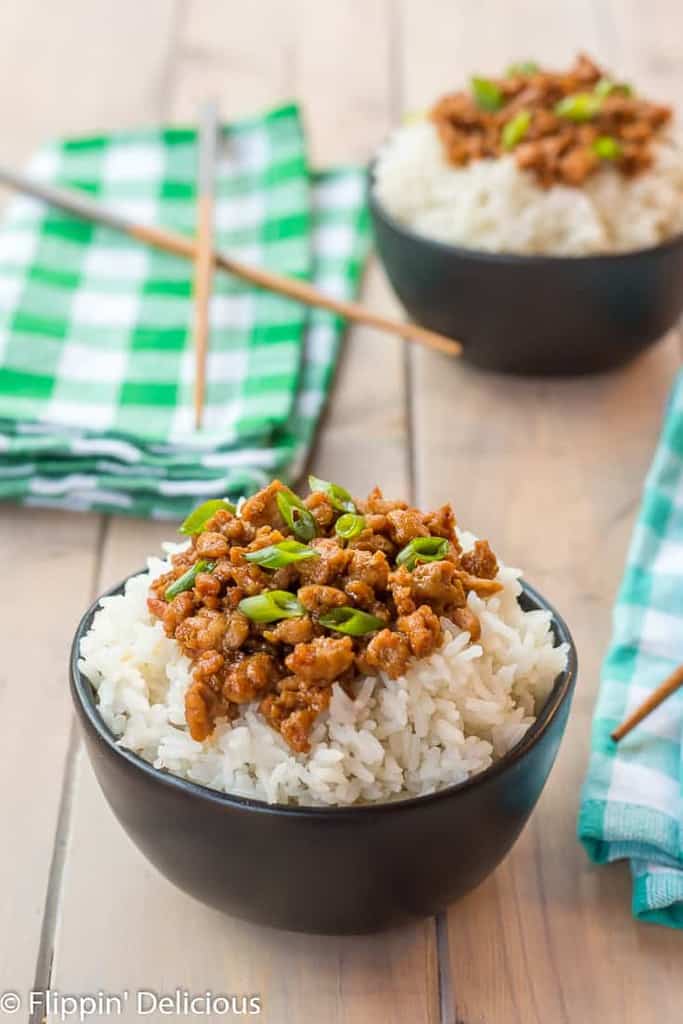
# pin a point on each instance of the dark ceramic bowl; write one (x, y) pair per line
(327, 870)
(534, 314)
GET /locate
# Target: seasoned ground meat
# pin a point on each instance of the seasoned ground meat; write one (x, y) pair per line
(377, 503)
(330, 564)
(387, 652)
(202, 707)
(369, 567)
(422, 629)
(438, 584)
(323, 511)
(277, 612)
(291, 632)
(466, 619)
(561, 126)
(176, 611)
(368, 540)
(317, 598)
(404, 524)
(261, 509)
(293, 710)
(322, 660)
(296, 727)
(250, 676)
(202, 632)
(212, 545)
(480, 561)
(236, 632)
(361, 593)
(481, 587)
(401, 589)
(442, 524)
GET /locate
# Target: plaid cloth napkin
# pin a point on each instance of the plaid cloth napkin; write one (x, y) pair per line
(96, 354)
(632, 798)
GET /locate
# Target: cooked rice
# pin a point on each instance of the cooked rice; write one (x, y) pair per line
(495, 206)
(450, 716)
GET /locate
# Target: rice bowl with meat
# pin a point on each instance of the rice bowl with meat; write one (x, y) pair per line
(538, 162)
(427, 673)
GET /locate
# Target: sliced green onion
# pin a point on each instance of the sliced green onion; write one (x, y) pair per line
(606, 87)
(607, 147)
(298, 518)
(350, 621)
(272, 606)
(422, 549)
(338, 496)
(197, 520)
(275, 556)
(524, 67)
(515, 129)
(486, 94)
(186, 581)
(349, 526)
(580, 106)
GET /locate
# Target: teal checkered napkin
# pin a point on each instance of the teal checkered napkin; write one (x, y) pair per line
(632, 801)
(96, 357)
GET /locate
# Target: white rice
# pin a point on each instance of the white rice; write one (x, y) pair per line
(495, 206)
(450, 716)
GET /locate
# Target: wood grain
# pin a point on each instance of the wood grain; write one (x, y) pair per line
(551, 471)
(303, 979)
(80, 69)
(50, 557)
(56, 553)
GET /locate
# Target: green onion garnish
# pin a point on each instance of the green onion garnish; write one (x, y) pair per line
(338, 496)
(197, 520)
(350, 621)
(349, 526)
(515, 129)
(186, 581)
(272, 606)
(296, 515)
(275, 556)
(580, 106)
(607, 147)
(422, 549)
(524, 67)
(486, 94)
(606, 87)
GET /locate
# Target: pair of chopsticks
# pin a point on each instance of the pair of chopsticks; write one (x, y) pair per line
(207, 258)
(203, 275)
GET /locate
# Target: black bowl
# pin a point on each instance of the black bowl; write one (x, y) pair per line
(534, 314)
(327, 870)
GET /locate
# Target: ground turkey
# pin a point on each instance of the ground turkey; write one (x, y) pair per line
(274, 618)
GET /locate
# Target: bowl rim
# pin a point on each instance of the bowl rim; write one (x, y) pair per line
(84, 696)
(378, 209)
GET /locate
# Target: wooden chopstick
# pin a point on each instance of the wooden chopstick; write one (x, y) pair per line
(669, 686)
(80, 205)
(204, 265)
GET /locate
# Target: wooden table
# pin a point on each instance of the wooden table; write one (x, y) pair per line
(550, 470)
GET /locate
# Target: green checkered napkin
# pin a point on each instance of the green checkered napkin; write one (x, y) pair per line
(633, 795)
(96, 355)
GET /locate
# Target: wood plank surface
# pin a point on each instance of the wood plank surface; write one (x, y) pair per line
(57, 555)
(82, 66)
(551, 471)
(51, 558)
(302, 979)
